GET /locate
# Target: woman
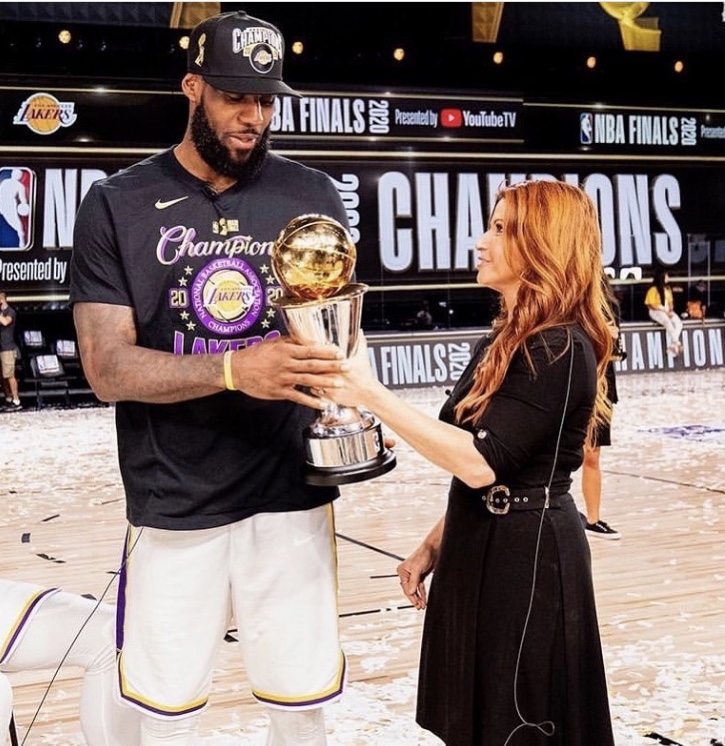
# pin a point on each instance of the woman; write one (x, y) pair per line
(660, 302)
(511, 652)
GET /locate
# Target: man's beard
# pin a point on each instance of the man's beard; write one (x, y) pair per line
(213, 152)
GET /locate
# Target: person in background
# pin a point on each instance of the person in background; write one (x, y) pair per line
(591, 482)
(8, 355)
(511, 651)
(697, 301)
(172, 292)
(46, 628)
(661, 306)
(424, 318)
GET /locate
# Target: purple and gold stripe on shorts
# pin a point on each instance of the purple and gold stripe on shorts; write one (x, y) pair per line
(16, 629)
(155, 707)
(309, 701)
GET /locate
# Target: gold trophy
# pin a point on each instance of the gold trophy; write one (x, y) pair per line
(314, 260)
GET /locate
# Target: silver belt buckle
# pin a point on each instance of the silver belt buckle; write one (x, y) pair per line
(488, 498)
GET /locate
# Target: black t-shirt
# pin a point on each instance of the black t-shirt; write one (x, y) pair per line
(196, 270)
(518, 431)
(7, 333)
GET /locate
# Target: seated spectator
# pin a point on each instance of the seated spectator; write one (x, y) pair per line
(424, 318)
(661, 305)
(697, 301)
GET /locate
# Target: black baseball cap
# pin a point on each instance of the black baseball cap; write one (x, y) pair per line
(238, 53)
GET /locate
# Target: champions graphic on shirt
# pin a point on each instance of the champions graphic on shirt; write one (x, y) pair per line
(227, 296)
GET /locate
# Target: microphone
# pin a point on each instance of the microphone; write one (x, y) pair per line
(210, 192)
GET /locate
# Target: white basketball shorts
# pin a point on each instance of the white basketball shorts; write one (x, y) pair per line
(274, 574)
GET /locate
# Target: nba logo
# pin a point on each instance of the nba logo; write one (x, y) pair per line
(586, 129)
(17, 200)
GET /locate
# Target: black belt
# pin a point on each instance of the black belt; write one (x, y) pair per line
(499, 499)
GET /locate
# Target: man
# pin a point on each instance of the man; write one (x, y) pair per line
(171, 289)
(8, 355)
(45, 628)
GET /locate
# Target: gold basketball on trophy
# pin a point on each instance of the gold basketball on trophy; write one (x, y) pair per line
(313, 257)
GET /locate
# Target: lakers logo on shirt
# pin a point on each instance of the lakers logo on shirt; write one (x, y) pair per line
(227, 296)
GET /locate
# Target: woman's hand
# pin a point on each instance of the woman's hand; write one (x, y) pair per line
(356, 382)
(414, 570)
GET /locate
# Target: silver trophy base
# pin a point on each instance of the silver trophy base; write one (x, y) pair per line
(335, 458)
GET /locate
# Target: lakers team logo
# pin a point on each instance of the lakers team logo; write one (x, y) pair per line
(17, 208)
(227, 296)
(44, 114)
(262, 46)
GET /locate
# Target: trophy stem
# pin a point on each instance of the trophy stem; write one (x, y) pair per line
(332, 414)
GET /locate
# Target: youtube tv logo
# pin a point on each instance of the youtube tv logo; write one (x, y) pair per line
(451, 118)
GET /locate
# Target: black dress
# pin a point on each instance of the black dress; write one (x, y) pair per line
(489, 663)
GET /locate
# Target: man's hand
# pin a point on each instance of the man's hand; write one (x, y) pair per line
(281, 369)
(119, 369)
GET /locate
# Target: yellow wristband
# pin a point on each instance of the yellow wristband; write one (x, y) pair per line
(228, 379)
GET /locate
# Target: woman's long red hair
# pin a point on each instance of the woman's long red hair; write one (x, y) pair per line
(552, 237)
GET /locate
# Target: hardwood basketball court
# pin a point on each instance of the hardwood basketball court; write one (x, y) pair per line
(660, 589)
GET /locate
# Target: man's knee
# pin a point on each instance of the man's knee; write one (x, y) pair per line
(288, 727)
(180, 731)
